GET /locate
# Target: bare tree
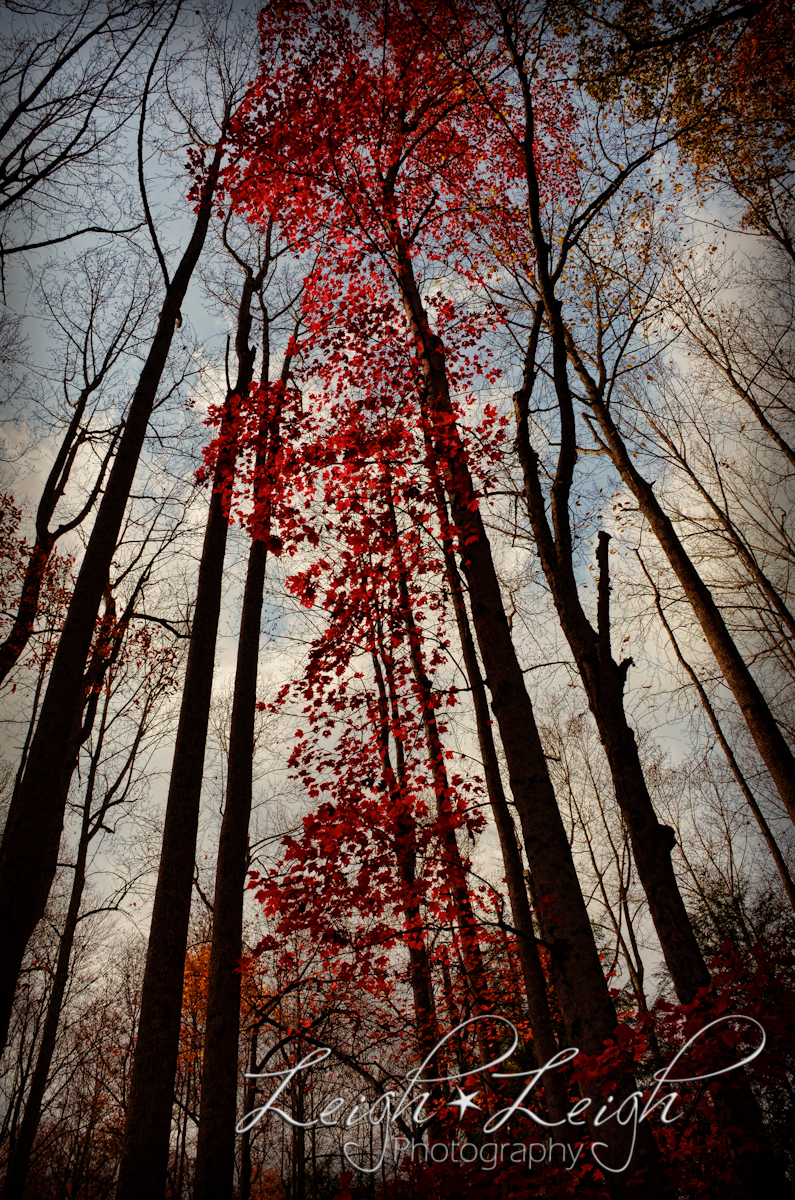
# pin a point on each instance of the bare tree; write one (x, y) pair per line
(145, 1154)
(101, 311)
(70, 78)
(215, 1156)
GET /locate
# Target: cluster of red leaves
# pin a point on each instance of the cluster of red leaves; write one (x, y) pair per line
(369, 134)
(360, 704)
(13, 551)
(757, 984)
(56, 589)
(394, 118)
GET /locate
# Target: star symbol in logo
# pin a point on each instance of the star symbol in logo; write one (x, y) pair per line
(464, 1102)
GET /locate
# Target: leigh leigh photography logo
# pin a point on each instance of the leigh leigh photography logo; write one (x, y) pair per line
(412, 1108)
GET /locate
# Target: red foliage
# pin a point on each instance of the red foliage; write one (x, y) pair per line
(53, 569)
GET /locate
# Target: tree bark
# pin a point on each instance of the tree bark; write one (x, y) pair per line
(603, 679)
(544, 1039)
(406, 854)
(215, 1151)
(459, 890)
(248, 1107)
(14, 1185)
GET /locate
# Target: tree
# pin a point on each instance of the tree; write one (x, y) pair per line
(593, 375)
(475, 751)
(216, 1141)
(72, 81)
(101, 801)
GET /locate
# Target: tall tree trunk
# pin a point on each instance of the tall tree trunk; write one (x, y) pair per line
(406, 855)
(603, 679)
(29, 853)
(459, 890)
(581, 989)
(420, 977)
(215, 1152)
(544, 1039)
(144, 1159)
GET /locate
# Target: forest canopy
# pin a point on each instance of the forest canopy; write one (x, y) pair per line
(397, 637)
